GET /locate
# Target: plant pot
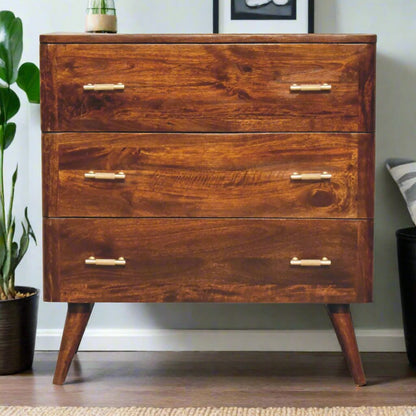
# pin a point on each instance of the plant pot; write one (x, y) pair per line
(101, 16)
(18, 320)
(406, 253)
(105, 23)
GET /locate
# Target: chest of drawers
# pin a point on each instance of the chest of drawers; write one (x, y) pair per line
(207, 168)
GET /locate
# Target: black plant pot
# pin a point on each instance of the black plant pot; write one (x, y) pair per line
(18, 320)
(406, 252)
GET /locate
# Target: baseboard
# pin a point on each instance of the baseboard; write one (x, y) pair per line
(380, 340)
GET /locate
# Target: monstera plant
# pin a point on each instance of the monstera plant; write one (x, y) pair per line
(27, 78)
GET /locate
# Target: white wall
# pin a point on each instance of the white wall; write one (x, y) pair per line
(393, 21)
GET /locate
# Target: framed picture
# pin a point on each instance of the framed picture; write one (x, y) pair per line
(263, 16)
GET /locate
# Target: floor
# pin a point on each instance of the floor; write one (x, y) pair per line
(183, 379)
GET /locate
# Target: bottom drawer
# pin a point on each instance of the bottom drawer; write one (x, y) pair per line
(207, 260)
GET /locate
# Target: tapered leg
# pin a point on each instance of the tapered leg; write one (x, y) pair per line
(76, 321)
(341, 320)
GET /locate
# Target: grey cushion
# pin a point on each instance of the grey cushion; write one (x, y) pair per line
(403, 172)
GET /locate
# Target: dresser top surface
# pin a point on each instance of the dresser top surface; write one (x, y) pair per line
(205, 38)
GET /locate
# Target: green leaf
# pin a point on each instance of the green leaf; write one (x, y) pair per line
(11, 46)
(29, 227)
(6, 20)
(10, 214)
(2, 244)
(9, 104)
(7, 262)
(24, 244)
(14, 257)
(24, 239)
(9, 134)
(28, 80)
(14, 178)
(15, 250)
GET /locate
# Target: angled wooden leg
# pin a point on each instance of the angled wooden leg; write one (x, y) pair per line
(76, 321)
(341, 320)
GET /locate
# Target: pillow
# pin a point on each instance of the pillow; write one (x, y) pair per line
(403, 172)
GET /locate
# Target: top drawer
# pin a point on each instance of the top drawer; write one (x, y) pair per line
(208, 87)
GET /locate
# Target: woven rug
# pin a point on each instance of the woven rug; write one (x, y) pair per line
(207, 411)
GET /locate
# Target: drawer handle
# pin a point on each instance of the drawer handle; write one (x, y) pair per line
(310, 87)
(103, 87)
(92, 261)
(108, 176)
(310, 262)
(295, 176)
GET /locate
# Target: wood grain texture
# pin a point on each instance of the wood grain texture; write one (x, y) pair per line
(91, 38)
(227, 175)
(48, 90)
(366, 176)
(223, 219)
(367, 87)
(76, 321)
(340, 316)
(366, 251)
(204, 260)
(208, 87)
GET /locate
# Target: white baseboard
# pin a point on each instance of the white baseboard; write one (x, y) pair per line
(377, 340)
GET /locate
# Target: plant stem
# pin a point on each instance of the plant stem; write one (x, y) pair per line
(12, 291)
(2, 198)
(2, 213)
(100, 6)
(3, 292)
(2, 182)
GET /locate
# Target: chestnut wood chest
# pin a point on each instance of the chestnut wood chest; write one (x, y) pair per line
(208, 168)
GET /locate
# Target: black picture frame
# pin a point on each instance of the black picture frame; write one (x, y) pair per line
(258, 14)
(215, 13)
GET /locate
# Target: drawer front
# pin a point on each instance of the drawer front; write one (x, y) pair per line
(210, 260)
(208, 175)
(208, 87)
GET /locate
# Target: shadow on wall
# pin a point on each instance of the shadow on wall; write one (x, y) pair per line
(395, 137)
(217, 316)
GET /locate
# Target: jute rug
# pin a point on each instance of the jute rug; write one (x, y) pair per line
(207, 411)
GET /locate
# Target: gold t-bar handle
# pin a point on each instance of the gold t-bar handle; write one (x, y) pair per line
(310, 262)
(103, 87)
(92, 261)
(107, 176)
(310, 176)
(310, 87)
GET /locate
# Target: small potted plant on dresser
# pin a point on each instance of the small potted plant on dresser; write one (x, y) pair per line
(18, 304)
(101, 17)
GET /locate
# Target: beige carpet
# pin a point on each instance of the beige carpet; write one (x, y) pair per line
(207, 411)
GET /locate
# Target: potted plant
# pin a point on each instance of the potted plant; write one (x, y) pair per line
(101, 16)
(18, 304)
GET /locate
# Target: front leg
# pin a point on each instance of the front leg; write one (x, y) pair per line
(76, 321)
(341, 320)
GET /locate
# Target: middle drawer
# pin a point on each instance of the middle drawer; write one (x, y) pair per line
(317, 175)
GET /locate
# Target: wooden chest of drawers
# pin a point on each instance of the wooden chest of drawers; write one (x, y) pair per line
(208, 168)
